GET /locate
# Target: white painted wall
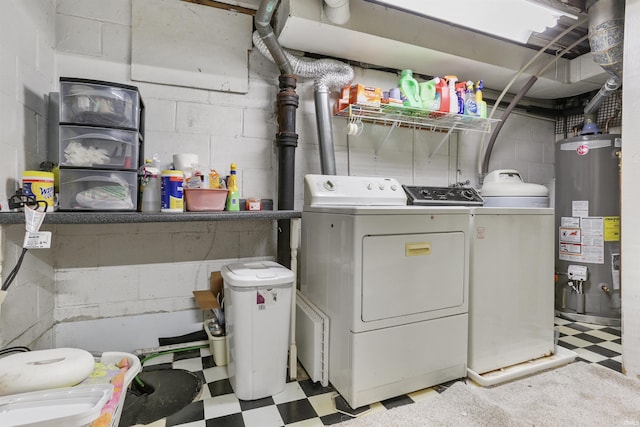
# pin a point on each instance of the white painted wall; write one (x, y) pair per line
(135, 272)
(630, 231)
(27, 75)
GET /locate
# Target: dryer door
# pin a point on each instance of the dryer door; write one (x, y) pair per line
(409, 274)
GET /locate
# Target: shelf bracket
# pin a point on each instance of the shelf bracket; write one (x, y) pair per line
(394, 125)
(441, 143)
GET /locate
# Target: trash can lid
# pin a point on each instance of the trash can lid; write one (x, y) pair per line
(256, 274)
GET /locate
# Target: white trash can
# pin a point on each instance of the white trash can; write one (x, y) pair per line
(257, 304)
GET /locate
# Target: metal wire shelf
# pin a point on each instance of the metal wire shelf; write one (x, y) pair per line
(416, 118)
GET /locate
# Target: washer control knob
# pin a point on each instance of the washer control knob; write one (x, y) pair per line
(381, 186)
(393, 187)
(329, 185)
(369, 186)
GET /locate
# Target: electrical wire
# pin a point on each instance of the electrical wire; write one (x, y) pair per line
(496, 104)
(514, 102)
(12, 275)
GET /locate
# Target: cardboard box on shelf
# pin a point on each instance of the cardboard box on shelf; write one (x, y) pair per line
(365, 95)
(208, 300)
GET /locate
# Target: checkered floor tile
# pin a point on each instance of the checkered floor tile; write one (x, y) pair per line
(303, 403)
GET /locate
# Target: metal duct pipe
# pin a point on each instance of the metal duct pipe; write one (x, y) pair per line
(325, 131)
(286, 138)
(263, 27)
(606, 38)
(328, 74)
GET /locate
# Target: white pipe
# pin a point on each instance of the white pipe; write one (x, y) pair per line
(3, 294)
(337, 11)
(293, 349)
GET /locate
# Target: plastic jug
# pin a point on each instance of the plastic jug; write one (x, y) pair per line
(442, 93)
(428, 95)
(410, 89)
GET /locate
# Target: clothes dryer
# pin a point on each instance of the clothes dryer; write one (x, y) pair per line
(392, 278)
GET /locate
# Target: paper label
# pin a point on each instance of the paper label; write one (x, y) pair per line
(584, 243)
(611, 228)
(266, 297)
(37, 240)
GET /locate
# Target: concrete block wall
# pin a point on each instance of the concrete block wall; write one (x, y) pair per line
(27, 69)
(136, 272)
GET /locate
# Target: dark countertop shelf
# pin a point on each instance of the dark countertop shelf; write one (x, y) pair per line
(87, 217)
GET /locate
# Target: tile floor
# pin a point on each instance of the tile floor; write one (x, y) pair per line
(307, 404)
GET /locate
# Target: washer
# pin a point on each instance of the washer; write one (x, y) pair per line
(393, 280)
(511, 296)
(511, 313)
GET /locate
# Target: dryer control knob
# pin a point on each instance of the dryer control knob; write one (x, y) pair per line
(369, 186)
(393, 187)
(381, 186)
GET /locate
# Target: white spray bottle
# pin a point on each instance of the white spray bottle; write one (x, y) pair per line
(453, 95)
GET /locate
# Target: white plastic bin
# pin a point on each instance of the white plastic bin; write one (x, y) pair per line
(257, 302)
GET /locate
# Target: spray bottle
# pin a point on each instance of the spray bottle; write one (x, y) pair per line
(470, 106)
(482, 105)
(453, 95)
(442, 92)
(460, 89)
(150, 185)
(233, 197)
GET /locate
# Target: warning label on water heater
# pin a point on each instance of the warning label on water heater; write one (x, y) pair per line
(611, 228)
(581, 239)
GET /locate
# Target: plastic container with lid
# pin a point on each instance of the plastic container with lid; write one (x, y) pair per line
(40, 185)
(75, 406)
(172, 190)
(257, 313)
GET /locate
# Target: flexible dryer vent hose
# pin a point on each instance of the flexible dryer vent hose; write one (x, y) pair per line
(327, 74)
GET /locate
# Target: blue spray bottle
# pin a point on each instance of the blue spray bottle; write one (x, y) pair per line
(470, 106)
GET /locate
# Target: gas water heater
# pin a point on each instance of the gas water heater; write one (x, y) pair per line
(587, 219)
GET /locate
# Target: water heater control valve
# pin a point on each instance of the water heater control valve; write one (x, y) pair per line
(577, 273)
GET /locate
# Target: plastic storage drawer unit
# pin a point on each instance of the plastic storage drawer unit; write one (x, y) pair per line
(96, 103)
(101, 148)
(257, 312)
(97, 190)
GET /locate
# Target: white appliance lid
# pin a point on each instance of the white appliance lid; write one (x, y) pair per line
(256, 274)
(508, 182)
